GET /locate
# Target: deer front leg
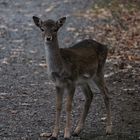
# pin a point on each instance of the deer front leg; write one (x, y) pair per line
(88, 95)
(59, 97)
(70, 93)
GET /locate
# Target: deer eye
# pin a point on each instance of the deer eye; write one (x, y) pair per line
(42, 29)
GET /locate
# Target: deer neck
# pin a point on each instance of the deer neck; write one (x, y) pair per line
(53, 57)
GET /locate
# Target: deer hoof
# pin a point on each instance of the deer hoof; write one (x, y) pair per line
(109, 129)
(45, 134)
(53, 138)
(74, 134)
(66, 138)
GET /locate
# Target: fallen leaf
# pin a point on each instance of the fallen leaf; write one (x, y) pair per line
(49, 8)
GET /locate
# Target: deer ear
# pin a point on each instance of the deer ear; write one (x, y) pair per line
(60, 22)
(37, 21)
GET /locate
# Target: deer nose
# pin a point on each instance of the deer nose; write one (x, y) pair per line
(49, 38)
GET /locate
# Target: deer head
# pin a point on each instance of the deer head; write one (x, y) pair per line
(49, 27)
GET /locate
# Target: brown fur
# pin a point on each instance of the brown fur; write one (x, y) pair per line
(69, 67)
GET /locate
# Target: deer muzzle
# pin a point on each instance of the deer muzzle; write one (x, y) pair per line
(48, 38)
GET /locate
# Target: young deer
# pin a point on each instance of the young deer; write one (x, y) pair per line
(71, 67)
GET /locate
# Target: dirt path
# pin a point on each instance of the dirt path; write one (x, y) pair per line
(27, 97)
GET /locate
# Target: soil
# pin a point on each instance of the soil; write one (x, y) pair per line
(27, 96)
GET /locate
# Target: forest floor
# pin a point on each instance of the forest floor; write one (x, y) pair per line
(27, 96)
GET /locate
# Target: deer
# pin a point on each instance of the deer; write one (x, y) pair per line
(78, 65)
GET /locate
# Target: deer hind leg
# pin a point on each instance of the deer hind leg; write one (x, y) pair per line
(103, 88)
(59, 97)
(70, 93)
(88, 96)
